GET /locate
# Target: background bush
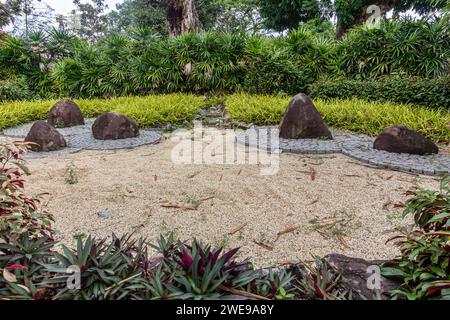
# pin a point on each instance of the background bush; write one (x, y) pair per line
(146, 111)
(15, 89)
(418, 91)
(140, 63)
(356, 115)
(398, 47)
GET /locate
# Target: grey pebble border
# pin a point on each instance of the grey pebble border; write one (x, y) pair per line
(354, 145)
(80, 138)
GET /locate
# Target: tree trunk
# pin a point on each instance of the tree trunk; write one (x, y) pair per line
(182, 17)
(363, 16)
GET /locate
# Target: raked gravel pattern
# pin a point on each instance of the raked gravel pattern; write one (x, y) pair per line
(354, 145)
(80, 138)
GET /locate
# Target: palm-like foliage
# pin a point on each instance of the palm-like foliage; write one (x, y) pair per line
(413, 48)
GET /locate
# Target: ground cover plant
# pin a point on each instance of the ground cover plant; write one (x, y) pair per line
(146, 111)
(356, 115)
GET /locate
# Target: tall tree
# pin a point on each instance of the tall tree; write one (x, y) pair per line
(152, 14)
(182, 17)
(9, 9)
(351, 13)
(239, 16)
(93, 20)
(26, 16)
(280, 15)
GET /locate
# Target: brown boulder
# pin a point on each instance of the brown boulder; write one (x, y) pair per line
(113, 126)
(401, 139)
(46, 137)
(363, 277)
(65, 113)
(302, 120)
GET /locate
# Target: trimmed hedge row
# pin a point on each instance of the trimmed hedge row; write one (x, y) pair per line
(354, 114)
(146, 111)
(417, 91)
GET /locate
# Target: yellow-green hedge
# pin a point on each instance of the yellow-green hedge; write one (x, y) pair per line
(356, 115)
(146, 111)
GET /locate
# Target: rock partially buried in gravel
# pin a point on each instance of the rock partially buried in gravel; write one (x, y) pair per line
(361, 276)
(64, 114)
(105, 214)
(113, 126)
(46, 137)
(401, 139)
(302, 120)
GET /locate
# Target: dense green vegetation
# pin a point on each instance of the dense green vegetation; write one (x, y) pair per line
(140, 63)
(356, 115)
(424, 265)
(416, 91)
(146, 111)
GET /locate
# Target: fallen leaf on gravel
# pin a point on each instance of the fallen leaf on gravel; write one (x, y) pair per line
(286, 231)
(194, 175)
(263, 245)
(167, 204)
(344, 242)
(311, 173)
(387, 203)
(207, 198)
(352, 175)
(284, 262)
(237, 229)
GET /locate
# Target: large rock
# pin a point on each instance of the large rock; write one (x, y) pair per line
(46, 137)
(401, 139)
(65, 113)
(358, 275)
(302, 120)
(113, 126)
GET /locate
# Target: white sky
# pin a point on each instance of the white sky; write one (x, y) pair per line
(65, 6)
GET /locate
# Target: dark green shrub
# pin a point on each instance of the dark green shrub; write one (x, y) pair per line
(34, 56)
(417, 91)
(398, 47)
(424, 265)
(271, 69)
(13, 89)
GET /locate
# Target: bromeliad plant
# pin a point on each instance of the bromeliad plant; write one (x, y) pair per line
(21, 266)
(425, 262)
(113, 270)
(202, 272)
(320, 282)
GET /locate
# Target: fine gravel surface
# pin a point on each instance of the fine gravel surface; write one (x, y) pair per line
(314, 205)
